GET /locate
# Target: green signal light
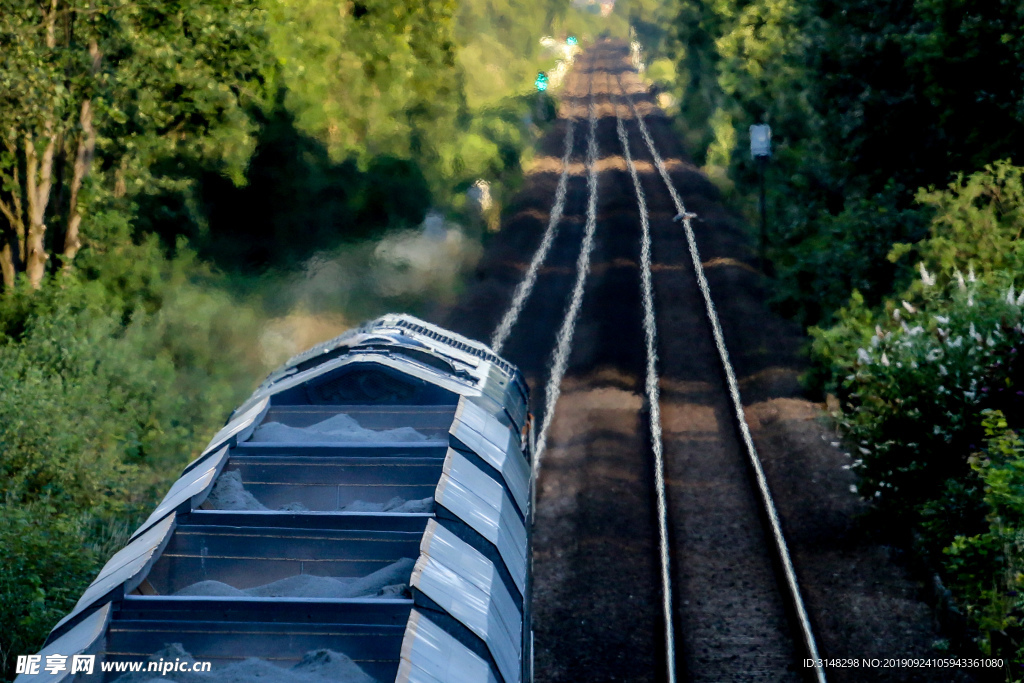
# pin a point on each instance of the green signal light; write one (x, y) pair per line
(571, 40)
(541, 82)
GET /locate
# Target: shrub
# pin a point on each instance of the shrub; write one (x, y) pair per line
(923, 379)
(979, 222)
(912, 378)
(97, 416)
(986, 570)
(48, 560)
(913, 374)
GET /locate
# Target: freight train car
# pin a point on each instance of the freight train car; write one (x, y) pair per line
(363, 517)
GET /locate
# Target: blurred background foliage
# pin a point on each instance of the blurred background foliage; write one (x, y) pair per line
(867, 101)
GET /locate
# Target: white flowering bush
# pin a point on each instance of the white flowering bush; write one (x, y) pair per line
(913, 375)
(930, 388)
(913, 378)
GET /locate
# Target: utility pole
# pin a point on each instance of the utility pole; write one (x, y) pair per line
(762, 164)
(761, 151)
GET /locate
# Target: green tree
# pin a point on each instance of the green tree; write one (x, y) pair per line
(868, 100)
(368, 78)
(117, 87)
(979, 222)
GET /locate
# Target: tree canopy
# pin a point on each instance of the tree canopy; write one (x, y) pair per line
(129, 91)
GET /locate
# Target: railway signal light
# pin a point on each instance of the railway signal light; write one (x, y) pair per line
(571, 40)
(541, 82)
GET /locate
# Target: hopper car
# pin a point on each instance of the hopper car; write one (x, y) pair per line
(364, 516)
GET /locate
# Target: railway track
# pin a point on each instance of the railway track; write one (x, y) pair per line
(774, 538)
(674, 537)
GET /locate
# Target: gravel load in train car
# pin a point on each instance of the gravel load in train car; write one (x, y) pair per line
(318, 666)
(391, 581)
(396, 504)
(338, 428)
(229, 494)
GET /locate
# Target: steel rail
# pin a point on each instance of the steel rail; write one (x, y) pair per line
(767, 502)
(525, 287)
(653, 398)
(563, 344)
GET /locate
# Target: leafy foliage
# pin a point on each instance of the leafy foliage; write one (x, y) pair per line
(926, 377)
(986, 569)
(979, 222)
(865, 106)
(254, 226)
(115, 99)
(103, 398)
(835, 255)
(912, 375)
(48, 559)
(371, 77)
(912, 379)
